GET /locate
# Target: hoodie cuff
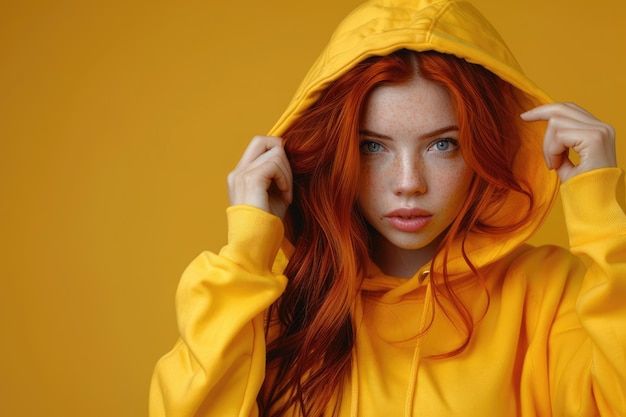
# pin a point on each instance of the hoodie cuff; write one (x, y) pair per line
(593, 204)
(254, 237)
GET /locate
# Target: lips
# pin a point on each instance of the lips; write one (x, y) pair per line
(409, 220)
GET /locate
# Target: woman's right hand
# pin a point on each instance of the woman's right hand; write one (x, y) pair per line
(262, 178)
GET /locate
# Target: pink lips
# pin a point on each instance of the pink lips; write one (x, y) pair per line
(409, 220)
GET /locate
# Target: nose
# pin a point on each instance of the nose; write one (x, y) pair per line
(408, 176)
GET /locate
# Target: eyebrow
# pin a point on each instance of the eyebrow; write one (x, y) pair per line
(427, 135)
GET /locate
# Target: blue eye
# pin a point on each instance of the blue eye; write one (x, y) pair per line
(371, 147)
(445, 145)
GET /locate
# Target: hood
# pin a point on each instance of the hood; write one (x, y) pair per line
(380, 27)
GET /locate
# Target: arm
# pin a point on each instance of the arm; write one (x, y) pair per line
(589, 370)
(597, 229)
(218, 365)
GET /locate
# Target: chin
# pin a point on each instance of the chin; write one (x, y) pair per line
(411, 244)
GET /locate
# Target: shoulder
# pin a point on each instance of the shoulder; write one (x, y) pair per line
(546, 265)
(548, 278)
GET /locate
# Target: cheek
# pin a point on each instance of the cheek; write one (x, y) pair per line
(369, 187)
(459, 186)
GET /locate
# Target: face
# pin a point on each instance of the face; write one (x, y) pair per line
(413, 177)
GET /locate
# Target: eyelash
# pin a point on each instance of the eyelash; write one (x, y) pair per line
(451, 141)
(364, 143)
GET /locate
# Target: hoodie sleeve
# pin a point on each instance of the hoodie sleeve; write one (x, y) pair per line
(218, 364)
(594, 211)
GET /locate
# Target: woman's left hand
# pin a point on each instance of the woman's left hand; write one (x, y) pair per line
(571, 127)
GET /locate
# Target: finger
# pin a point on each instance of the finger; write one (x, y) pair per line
(283, 177)
(555, 151)
(566, 110)
(265, 152)
(577, 107)
(556, 144)
(257, 147)
(277, 167)
(590, 142)
(251, 186)
(260, 172)
(570, 126)
(264, 178)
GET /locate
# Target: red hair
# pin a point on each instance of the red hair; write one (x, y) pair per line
(310, 356)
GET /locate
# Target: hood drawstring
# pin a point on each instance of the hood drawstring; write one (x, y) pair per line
(354, 395)
(412, 385)
(354, 382)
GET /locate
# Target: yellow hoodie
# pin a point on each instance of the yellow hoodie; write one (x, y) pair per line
(552, 343)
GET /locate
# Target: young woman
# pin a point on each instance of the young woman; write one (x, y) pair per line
(376, 262)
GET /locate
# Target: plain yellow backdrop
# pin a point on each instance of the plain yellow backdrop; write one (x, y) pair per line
(119, 121)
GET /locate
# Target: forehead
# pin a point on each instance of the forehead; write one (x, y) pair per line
(417, 104)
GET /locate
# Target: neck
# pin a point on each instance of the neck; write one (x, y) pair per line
(402, 263)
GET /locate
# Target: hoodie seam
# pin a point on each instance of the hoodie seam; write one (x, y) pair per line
(464, 284)
(435, 21)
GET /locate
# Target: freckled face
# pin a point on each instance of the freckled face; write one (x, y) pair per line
(413, 177)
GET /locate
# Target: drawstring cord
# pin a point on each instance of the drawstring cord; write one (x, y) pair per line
(354, 396)
(411, 389)
(410, 395)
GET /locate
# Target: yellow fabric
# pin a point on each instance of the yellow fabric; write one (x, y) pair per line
(553, 340)
(380, 27)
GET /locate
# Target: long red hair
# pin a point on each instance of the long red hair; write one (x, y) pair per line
(309, 358)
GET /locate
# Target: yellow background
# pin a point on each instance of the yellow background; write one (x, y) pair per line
(119, 121)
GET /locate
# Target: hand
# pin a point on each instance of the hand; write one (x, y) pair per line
(262, 178)
(571, 127)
